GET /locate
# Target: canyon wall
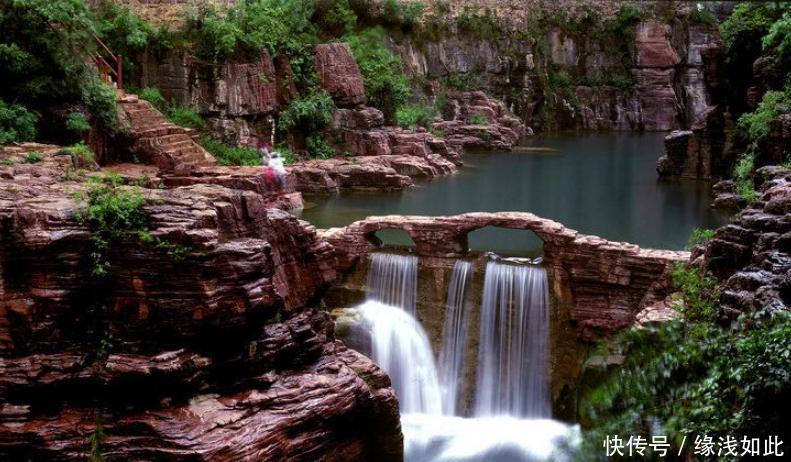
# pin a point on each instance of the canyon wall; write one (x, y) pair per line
(572, 78)
(197, 340)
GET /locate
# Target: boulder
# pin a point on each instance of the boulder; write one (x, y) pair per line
(338, 73)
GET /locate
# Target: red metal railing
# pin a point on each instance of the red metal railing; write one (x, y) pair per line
(111, 66)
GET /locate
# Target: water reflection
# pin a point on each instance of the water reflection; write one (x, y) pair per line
(603, 184)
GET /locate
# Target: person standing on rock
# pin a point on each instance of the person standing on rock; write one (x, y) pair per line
(276, 163)
(266, 162)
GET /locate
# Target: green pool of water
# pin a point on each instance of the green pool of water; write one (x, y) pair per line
(602, 184)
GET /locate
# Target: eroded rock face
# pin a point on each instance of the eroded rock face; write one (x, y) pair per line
(700, 153)
(234, 97)
(338, 73)
(201, 348)
(462, 126)
(751, 257)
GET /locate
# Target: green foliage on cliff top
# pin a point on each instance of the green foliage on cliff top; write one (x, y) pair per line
(386, 85)
(744, 29)
(778, 41)
(282, 27)
(45, 49)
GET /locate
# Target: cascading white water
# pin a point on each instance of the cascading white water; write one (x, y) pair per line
(513, 354)
(512, 395)
(400, 346)
(392, 280)
(454, 339)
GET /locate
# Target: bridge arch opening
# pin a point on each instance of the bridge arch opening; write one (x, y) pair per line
(390, 237)
(505, 241)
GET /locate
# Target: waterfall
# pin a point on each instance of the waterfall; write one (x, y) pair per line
(400, 346)
(454, 335)
(513, 354)
(392, 280)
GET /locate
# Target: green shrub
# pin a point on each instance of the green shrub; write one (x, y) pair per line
(701, 15)
(757, 124)
(386, 85)
(464, 81)
(153, 96)
(78, 123)
(699, 236)
(80, 152)
(415, 115)
(478, 23)
(185, 117)
(689, 378)
(100, 98)
(778, 39)
(478, 119)
(17, 123)
(743, 174)
(45, 57)
(231, 155)
(279, 26)
(319, 148)
(335, 17)
(32, 158)
(114, 214)
(699, 292)
(310, 112)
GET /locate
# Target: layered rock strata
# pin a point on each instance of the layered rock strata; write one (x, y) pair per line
(198, 344)
(751, 257)
(495, 127)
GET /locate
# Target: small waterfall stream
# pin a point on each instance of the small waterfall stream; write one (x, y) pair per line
(512, 404)
(454, 339)
(392, 280)
(400, 346)
(513, 355)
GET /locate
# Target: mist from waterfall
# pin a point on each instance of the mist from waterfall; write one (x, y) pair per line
(401, 347)
(392, 280)
(513, 354)
(454, 339)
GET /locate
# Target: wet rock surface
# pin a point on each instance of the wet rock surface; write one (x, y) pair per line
(462, 126)
(602, 284)
(751, 257)
(204, 349)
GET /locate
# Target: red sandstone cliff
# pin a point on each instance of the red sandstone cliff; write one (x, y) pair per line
(214, 354)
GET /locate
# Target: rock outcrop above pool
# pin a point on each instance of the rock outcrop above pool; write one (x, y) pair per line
(602, 284)
(473, 120)
(206, 346)
(751, 256)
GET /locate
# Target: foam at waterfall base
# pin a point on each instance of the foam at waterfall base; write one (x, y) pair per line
(431, 438)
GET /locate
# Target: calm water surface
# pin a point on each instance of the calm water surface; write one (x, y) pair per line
(602, 184)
